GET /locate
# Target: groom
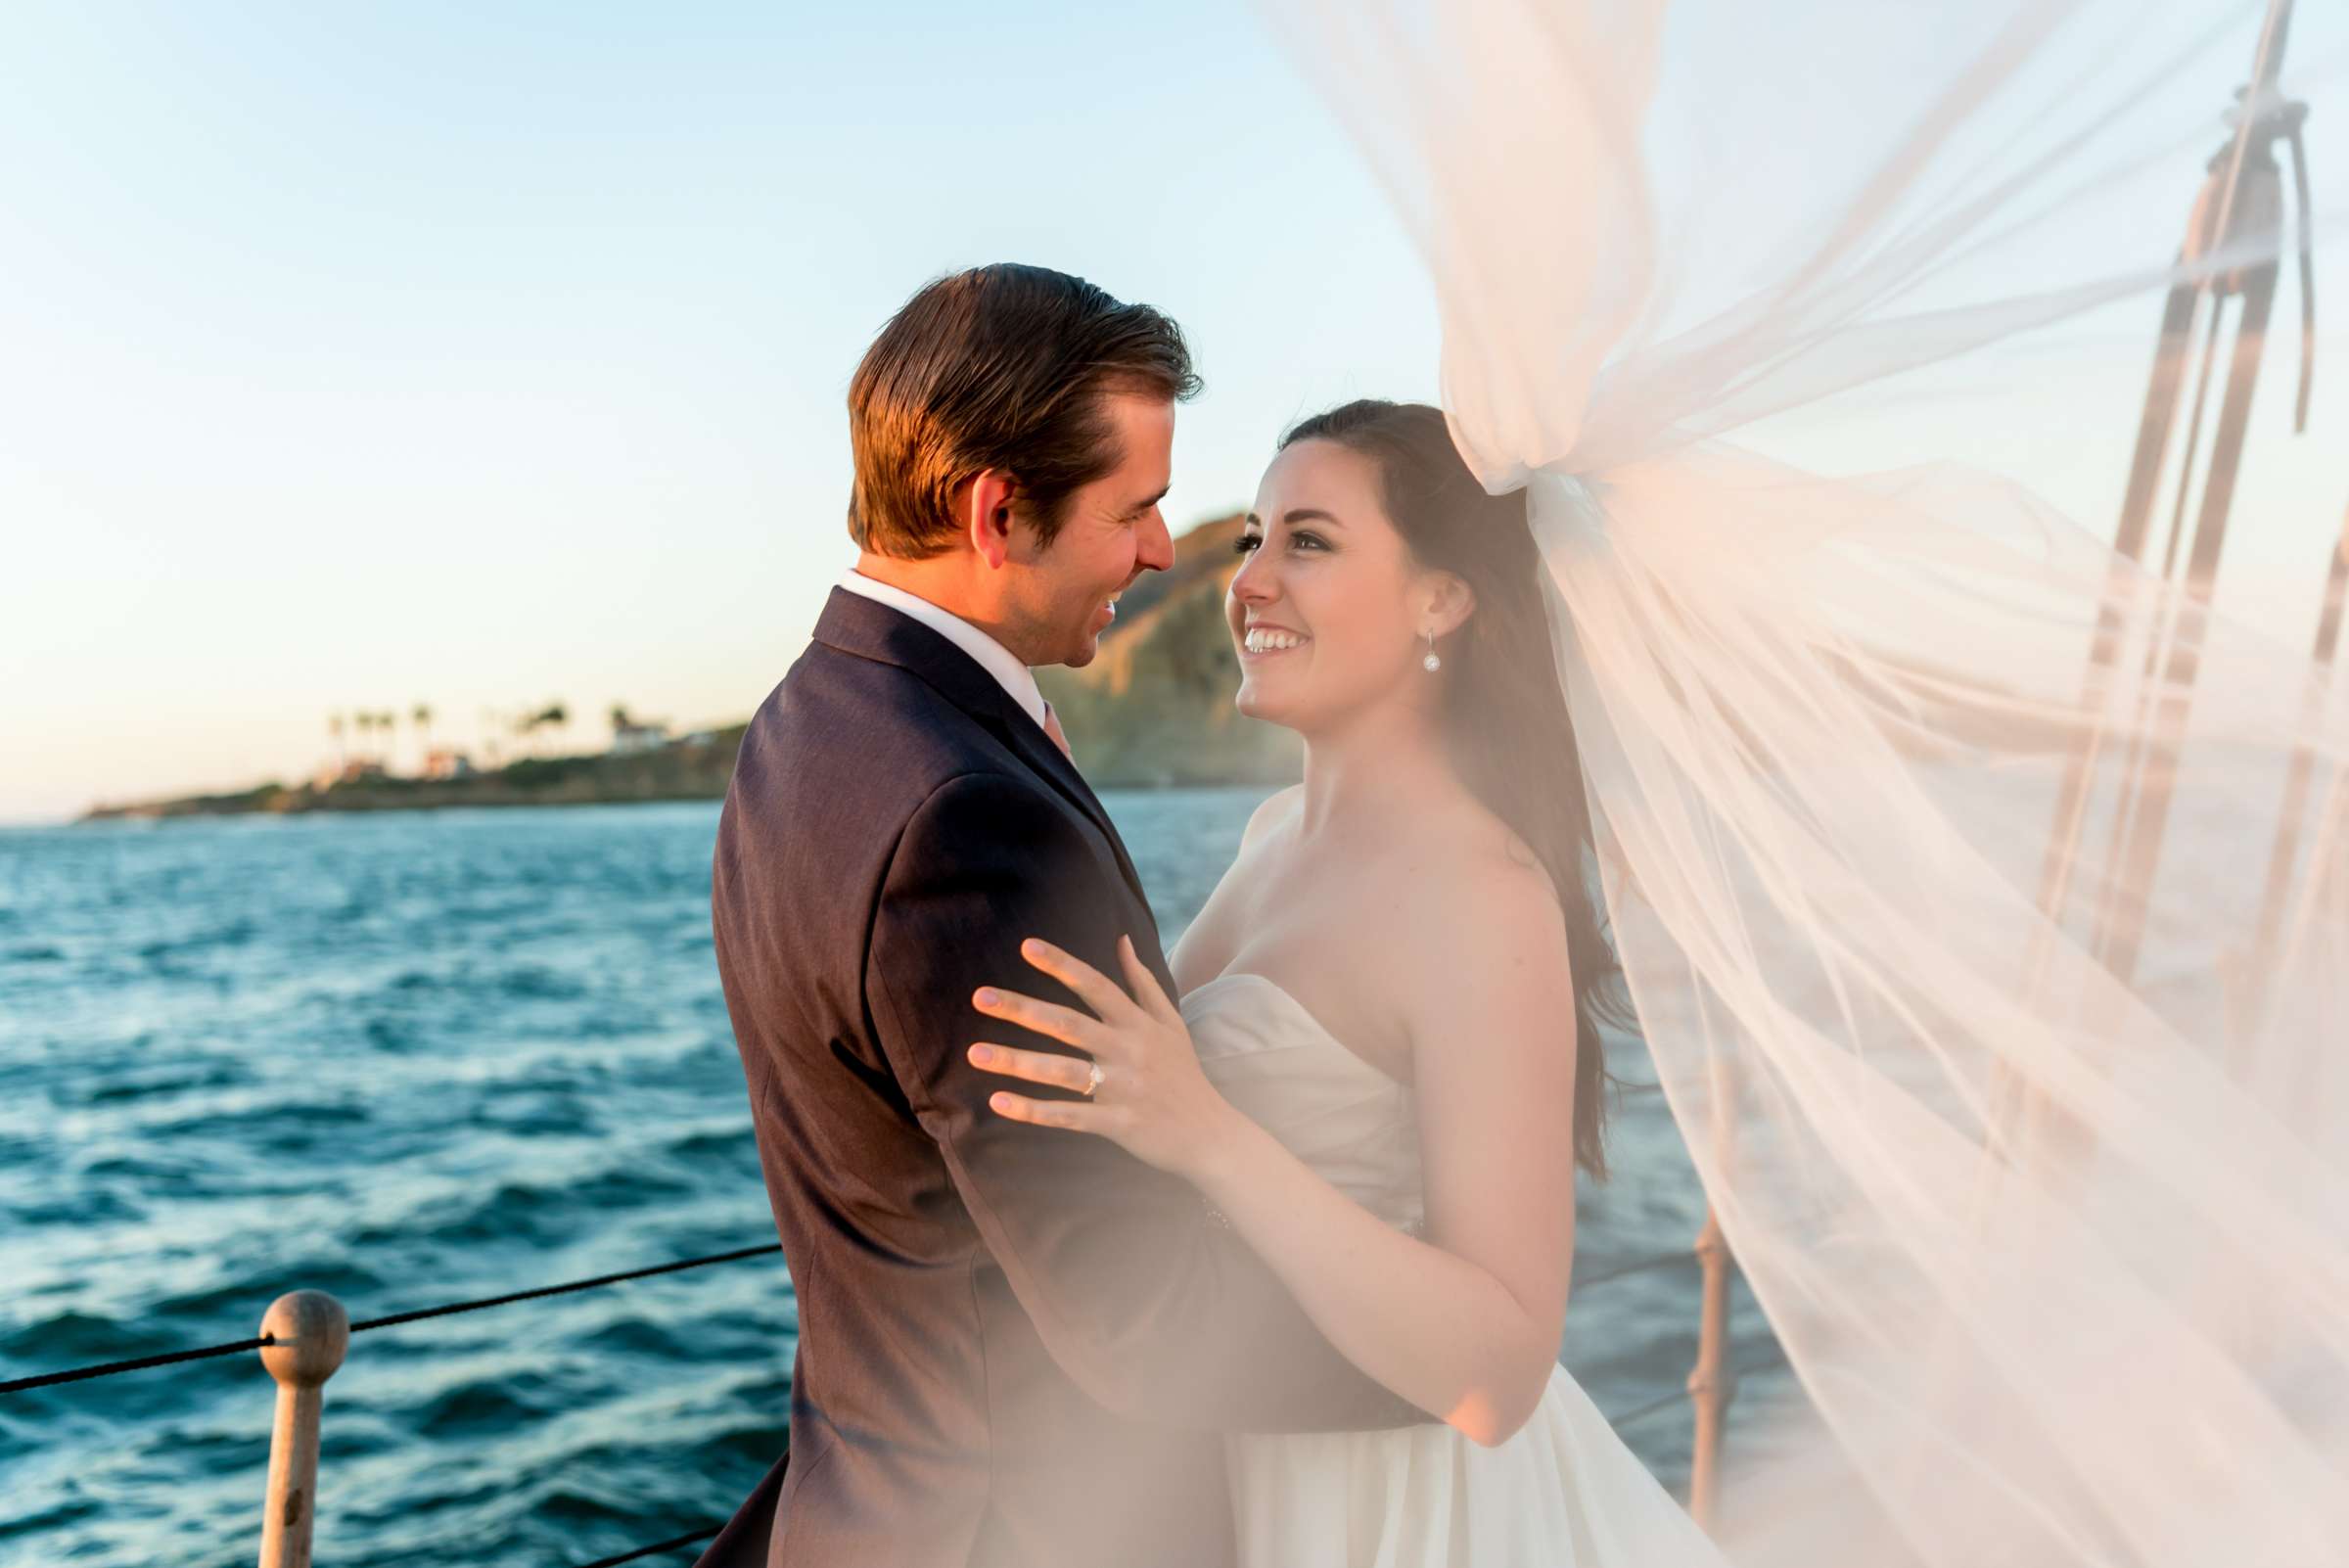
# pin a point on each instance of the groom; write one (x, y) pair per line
(1016, 1346)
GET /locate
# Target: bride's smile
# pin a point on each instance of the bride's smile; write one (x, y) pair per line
(1330, 610)
(1263, 639)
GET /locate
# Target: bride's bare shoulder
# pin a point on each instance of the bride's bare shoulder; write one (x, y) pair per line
(1215, 934)
(1482, 969)
(1479, 897)
(1280, 807)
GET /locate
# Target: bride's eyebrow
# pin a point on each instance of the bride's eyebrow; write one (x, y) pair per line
(1297, 515)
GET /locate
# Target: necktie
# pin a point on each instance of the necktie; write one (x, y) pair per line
(1059, 736)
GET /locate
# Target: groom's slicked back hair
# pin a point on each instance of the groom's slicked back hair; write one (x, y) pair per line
(1001, 367)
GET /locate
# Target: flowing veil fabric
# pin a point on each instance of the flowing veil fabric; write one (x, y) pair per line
(2035, 1156)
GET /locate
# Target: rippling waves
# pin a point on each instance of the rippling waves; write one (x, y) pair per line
(412, 1058)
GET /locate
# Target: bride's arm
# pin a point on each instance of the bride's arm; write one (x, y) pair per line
(1466, 1322)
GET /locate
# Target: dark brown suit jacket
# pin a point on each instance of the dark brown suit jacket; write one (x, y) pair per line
(1017, 1345)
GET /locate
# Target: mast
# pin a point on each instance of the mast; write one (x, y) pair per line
(2238, 218)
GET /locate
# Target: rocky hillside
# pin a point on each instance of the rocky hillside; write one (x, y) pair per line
(1155, 707)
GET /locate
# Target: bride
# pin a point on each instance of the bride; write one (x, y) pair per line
(1386, 1068)
(1997, 1000)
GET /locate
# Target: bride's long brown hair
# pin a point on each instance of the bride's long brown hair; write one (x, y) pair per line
(1505, 721)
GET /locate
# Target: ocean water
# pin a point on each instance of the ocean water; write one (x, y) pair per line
(414, 1058)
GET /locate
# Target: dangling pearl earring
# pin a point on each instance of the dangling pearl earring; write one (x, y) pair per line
(1430, 663)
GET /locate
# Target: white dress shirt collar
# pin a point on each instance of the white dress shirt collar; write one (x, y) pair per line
(1014, 677)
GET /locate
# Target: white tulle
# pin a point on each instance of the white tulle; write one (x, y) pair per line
(2039, 1164)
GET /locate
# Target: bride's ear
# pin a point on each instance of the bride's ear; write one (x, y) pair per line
(1450, 604)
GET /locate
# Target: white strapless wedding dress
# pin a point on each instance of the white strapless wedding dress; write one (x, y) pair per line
(1563, 1493)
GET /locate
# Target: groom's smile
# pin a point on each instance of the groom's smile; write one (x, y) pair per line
(1113, 534)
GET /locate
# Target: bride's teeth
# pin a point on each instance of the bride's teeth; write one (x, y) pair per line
(1260, 640)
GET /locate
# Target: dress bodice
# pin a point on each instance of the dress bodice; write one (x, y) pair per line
(1563, 1493)
(1276, 1063)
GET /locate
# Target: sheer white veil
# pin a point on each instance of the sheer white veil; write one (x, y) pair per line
(2036, 1155)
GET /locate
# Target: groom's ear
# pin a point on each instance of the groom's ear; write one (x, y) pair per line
(986, 514)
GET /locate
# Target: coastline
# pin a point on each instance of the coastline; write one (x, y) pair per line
(685, 770)
(1153, 711)
(697, 768)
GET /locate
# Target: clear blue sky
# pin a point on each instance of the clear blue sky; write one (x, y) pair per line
(480, 355)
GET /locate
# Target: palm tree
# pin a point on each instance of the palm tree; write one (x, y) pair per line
(334, 727)
(422, 716)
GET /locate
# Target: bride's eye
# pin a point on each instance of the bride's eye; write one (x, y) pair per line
(1305, 539)
(1246, 543)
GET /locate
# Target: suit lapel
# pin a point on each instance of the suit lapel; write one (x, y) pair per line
(1036, 748)
(855, 624)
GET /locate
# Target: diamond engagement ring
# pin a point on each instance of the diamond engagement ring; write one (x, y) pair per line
(1092, 1080)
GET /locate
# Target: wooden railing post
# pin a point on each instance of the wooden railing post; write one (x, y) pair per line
(1710, 1381)
(308, 1332)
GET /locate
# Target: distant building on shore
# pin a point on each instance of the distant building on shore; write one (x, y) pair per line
(629, 737)
(446, 762)
(356, 770)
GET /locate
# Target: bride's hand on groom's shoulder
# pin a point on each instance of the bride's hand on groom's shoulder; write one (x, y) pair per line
(1142, 1087)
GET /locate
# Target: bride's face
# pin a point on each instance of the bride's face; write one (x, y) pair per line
(1327, 608)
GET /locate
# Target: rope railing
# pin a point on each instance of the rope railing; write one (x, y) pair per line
(1662, 1401)
(305, 1335)
(140, 1364)
(657, 1548)
(1665, 1402)
(1637, 1266)
(595, 1284)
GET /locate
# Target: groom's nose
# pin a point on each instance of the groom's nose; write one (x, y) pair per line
(1153, 545)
